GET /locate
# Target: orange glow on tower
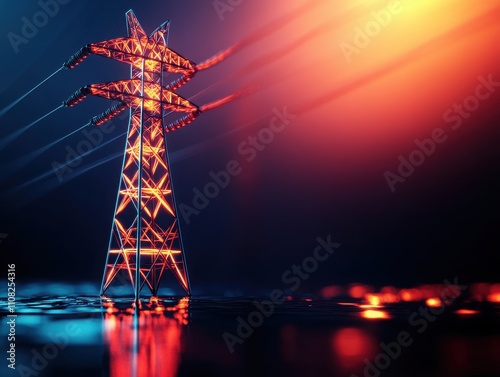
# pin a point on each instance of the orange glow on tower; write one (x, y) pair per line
(145, 238)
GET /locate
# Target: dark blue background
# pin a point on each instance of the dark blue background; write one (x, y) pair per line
(246, 238)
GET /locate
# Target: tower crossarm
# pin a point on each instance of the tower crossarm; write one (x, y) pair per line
(129, 50)
(129, 92)
(138, 47)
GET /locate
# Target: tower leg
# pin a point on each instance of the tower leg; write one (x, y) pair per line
(145, 240)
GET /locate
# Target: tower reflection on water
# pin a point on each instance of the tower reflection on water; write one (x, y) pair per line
(158, 327)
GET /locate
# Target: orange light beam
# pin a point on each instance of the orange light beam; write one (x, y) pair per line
(236, 95)
(261, 33)
(480, 23)
(272, 57)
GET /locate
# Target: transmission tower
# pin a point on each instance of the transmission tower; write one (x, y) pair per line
(145, 241)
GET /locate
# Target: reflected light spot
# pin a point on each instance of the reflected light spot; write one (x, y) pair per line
(351, 346)
(466, 312)
(411, 294)
(375, 314)
(330, 291)
(479, 291)
(349, 342)
(357, 291)
(495, 288)
(494, 297)
(373, 299)
(433, 302)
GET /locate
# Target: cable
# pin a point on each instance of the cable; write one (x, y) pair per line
(6, 109)
(6, 141)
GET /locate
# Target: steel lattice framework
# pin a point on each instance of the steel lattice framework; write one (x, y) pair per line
(145, 238)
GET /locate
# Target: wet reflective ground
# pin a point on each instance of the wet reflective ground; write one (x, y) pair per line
(83, 335)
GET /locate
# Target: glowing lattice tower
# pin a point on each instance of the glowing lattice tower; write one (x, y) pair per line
(145, 239)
